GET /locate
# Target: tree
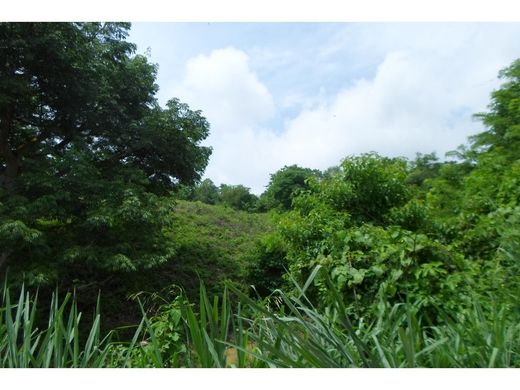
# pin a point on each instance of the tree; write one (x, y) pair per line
(371, 185)
(86, 152)
(503, 120)
(496, 149)
(424, 167)
(284, 185)
(362, 227)
(491, 190)
(207, 192)
(237, 197)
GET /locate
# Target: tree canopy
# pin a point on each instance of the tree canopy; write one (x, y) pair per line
(86, 152)
(284, 185)
(435, 233)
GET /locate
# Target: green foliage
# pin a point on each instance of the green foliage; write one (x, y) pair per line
(376, 185)
(422, 170)
(237, 197)
(207, 192)
(284, 185)
(428, 232)
(363, 226)
(414, 216)
(184, 335)
(402, 264)
(472, 196)
(291, 333)
(503, 119)
(446, 192)
(57, 344)
(214, 243)
(369, 263)
(267, 265)
(86, 152)
(208, 333)
(300, 335)
(15, 234)
(139, 219)
(393, 263)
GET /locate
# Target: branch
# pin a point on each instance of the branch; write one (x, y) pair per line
(98, 283)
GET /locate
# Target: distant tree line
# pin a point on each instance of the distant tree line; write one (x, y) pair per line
(284, 184)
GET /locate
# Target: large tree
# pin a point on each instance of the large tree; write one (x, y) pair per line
(284, 185)
(86, 152)
(237, 197)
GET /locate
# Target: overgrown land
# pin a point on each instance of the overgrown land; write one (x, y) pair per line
(115, 253)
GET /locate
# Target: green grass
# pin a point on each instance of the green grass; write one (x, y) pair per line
(58, 344)
(281, 331)
(300, 335)
(214, 243)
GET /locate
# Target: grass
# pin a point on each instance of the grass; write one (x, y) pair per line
(281, 331)
(58, 344)
(302, 336)
(214, 243)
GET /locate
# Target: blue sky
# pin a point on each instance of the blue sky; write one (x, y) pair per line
(311, 94)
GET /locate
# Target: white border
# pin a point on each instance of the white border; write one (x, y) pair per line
(261, 379)
(260, 10)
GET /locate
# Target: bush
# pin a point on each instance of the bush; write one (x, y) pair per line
(267, 265)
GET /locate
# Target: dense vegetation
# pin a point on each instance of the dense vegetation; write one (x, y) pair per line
(376, 262)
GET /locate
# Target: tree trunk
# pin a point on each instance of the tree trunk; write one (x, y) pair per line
(4, 256)
(12, 159)
(7, 177)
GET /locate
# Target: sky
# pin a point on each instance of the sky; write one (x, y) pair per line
(311, 94)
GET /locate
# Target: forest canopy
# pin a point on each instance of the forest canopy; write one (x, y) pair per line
(86, 152)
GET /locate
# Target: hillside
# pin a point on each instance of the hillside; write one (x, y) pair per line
(213, 244)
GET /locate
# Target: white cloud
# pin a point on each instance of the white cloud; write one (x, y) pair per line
(413, 104)
(420, 99)
(235, 103)
(398, 112)
(225, 88)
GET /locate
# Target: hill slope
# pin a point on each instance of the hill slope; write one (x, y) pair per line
(214, 244)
